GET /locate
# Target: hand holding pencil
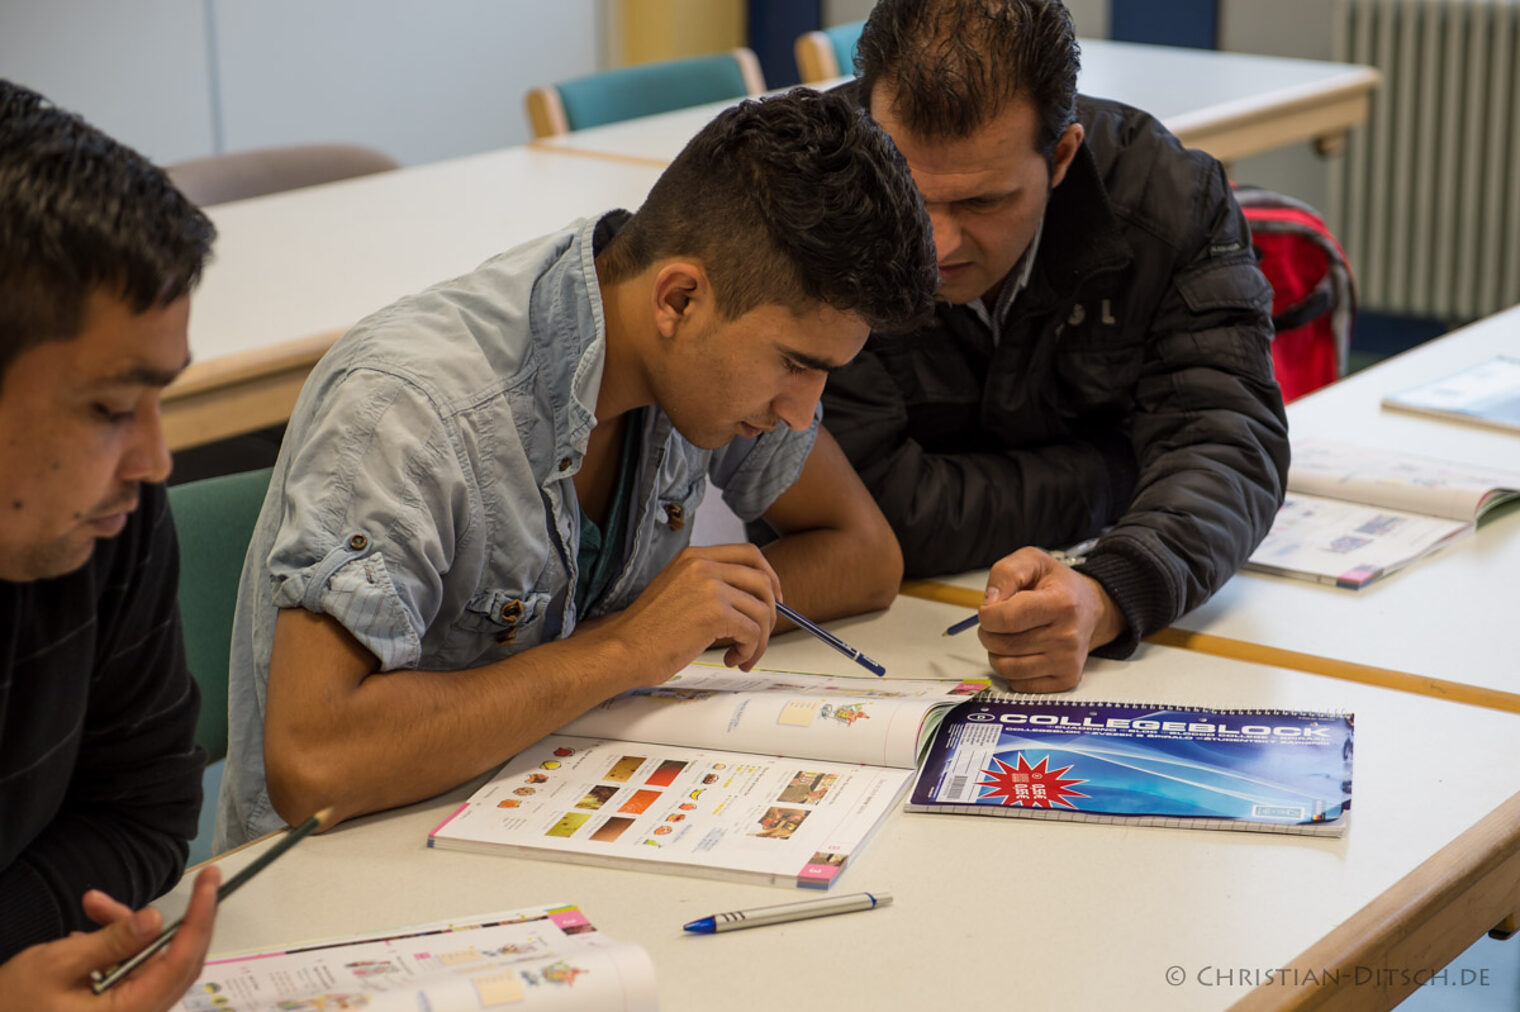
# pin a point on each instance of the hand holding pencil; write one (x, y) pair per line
(292, 837)
(58, 974)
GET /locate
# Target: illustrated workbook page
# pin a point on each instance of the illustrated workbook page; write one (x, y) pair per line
(1347, 544)
(542, 958)
(1487, 394)
(1399, 481)
(697, 811)
(853, 720)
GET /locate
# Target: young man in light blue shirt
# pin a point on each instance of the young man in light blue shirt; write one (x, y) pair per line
(478, 526)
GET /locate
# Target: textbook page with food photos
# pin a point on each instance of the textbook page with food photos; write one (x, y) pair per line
(541, 957)
(1276, 771)
(769, 776)
(1353, 515)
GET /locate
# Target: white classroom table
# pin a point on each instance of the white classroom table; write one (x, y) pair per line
(1004, 913)
(1451, 616)
(1228, 104)
(292, 271)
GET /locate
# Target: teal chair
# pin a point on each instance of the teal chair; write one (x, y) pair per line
(628, 92)
(215, 519)
(829, 53)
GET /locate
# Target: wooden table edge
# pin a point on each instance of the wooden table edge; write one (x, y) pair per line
(1397, 942)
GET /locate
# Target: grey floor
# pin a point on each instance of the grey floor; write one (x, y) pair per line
(1485, 978)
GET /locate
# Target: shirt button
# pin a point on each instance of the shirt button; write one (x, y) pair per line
(675, 515)
(564, 465)
(358, 542)
(504, 638)
(511, 611)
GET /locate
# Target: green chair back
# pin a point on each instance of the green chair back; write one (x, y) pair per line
(629, 92)
(215, 519)
(844, 37)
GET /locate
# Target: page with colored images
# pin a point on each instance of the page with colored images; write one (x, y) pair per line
(1281, 771)
(664, 808)
(1399, 481)
(856, 720)
(540, 958)
(1347, 544)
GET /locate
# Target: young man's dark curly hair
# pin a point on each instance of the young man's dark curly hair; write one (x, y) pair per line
(794, 201)
(952, 65)
(80, 212)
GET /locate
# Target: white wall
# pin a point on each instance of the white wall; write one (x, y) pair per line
(419, 79)
(1299, 28)
(137, 70)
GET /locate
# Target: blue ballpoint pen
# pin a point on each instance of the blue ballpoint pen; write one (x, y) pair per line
(832, 640)
(962, 626)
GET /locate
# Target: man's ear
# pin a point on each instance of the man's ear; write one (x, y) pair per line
(681, 291)
(1066, 150)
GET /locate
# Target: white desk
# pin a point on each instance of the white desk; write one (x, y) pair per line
(1229, 104)
(997, 912)
(1450, 616)
(292, 271)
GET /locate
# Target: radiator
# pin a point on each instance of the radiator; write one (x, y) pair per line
(1426, 200)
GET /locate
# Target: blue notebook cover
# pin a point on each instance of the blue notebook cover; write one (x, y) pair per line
(1280, 771)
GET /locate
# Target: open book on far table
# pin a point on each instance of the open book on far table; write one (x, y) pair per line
(1353, 515)
(768, 776)
(1485, 394)
(543, 957)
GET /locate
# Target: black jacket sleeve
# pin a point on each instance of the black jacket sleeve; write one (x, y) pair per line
(954, 511)
(1209, 432)
(134, 795)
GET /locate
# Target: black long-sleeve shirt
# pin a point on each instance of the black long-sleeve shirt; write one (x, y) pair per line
(99, 772)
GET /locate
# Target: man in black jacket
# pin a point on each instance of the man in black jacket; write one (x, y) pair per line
(1098, 364)
(99, 771)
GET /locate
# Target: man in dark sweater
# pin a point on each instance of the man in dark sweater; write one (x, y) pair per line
(1098, 364)
(99, 771)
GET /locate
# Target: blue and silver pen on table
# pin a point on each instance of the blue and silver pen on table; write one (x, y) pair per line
(832, 640)
(783, 912)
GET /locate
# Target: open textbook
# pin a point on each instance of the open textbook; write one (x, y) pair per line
(540, 958)
(776, 777)
(1484, 394)
(1353, 514)
(1072, 760)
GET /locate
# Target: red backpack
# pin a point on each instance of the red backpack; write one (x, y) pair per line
(1313, 291)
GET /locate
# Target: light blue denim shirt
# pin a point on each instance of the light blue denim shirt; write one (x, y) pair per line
(423, 497)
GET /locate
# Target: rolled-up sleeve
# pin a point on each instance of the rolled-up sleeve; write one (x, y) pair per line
(375, 503)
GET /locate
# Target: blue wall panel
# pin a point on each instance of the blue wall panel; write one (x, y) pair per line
(1166, 22)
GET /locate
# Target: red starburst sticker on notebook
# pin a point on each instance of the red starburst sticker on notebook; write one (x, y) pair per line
(1029, 786)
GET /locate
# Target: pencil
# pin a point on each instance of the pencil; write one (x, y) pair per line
(264, 860)
(962, 626)
(830, 639)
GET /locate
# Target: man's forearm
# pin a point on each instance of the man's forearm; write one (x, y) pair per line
(833, 573)
(396, 737)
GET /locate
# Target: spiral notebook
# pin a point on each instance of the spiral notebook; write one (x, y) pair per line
(1275, 771)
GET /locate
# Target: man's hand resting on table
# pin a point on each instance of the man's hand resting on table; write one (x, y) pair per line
(1041, 618)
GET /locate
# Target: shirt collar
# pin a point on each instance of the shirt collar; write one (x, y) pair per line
(1018, 280)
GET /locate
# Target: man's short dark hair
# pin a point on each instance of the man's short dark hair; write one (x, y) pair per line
(80, 212)
(794, 200)
(955, 64)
